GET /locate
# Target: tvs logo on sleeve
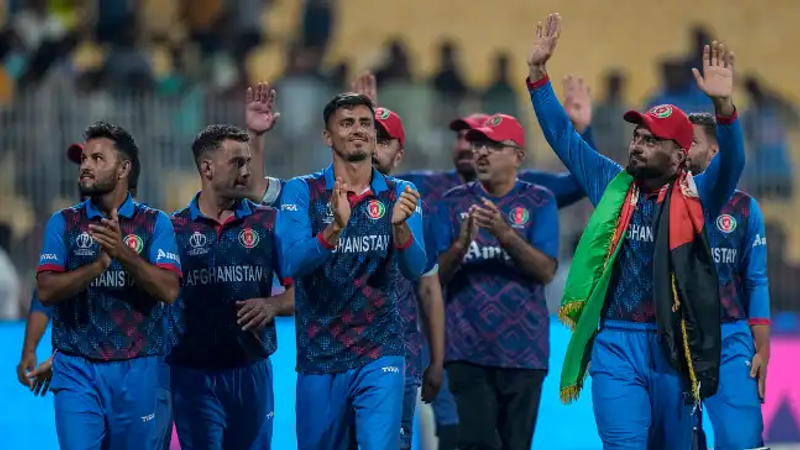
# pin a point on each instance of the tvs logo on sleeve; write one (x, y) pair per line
(376, 209)
(134, 243)
(519, 217)
(248, 238)
(726, 223)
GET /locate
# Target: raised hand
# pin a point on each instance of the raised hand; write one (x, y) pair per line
(547, 35)
(340, 205)
(717, 77)
(260, 115)
(405, 205)
(109, 236)
(489, 217)
(467, 232)
(578, 102)
(366, 85)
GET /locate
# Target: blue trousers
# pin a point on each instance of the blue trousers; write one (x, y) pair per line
(224, 408)
(638, 397)
(735, 410)
(108, 405)
(360, 407)
(410, 395)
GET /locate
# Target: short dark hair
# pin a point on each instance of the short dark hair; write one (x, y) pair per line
(123, 142)
(211, 139)
(346, 100)
(706, 121)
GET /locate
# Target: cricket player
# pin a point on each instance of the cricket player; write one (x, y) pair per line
(221, 375)
(108, 266)
(738, 246)
(389, 150)
(498, 243)
(346, 234)
(642, 293)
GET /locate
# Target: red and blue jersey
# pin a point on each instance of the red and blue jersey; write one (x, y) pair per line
(739, 248)
(496, 315)
(346, 296)
(112, 319)
(630, 293)
(222, 264)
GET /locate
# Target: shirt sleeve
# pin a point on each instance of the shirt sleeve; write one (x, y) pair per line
(164, 247)
(299, 251)
(563, 185)
(431, 255)
(756, 285)
(279, 279)
(53, 257)
(588, 136)
(543, 233)
(717, 183)
(412, 252)
(592, 170)
(442, 228)
(37, 306)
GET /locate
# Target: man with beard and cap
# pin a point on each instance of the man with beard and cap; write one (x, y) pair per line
(497, 240)
(221, 374)
(739, 248)
(642, 294)
(347, 234)
(389, 150)
(108, 266)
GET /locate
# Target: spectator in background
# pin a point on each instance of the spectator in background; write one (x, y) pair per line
(245, 20)
(680, 89)
(449, 82)
(128, 66)
(500, 96)
(317, 24)
(396, 67)
(9, 279)
(769, 166)
(610, 133)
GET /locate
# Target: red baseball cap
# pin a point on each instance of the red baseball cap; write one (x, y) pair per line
(498, 128)
(391, 123)
(469, 122)
(665, 122)
(74, 152)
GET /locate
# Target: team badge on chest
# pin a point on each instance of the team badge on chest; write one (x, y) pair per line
(519, 217)
(726, 223)
(134, 242)
(375, 209)
(248, 238)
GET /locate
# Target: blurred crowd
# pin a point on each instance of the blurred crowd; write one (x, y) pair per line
(164, 69)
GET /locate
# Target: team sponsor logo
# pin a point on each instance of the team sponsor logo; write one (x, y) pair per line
(166, 255)
(390, 369)
(48, 257)
(382, 113)
(134, 242)
(726, 223)
(375, 209)
(484, 252)
(148, 417)
(84, 242)
(759, 240)
(197, 242)
(519, 216)
(289, 207)
(661, 111)
(494, 121)
(248, 238)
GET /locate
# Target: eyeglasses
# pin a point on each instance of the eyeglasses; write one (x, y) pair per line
(492, 146)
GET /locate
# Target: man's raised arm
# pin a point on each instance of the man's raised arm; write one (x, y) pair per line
(260, 117)
(592, 169)
(717, 183)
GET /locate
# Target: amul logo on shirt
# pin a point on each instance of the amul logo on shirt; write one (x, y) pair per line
(375, 209)
(134, 243)
(248, 238)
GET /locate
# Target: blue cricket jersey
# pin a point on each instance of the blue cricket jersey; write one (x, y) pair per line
(36, 305)
(496, 315)
(112, 319)
(739, 248)
(346, 296)
(223, 263)
(630, 293)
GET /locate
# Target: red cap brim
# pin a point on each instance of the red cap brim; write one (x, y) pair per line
(477, 134)
(75, 152)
